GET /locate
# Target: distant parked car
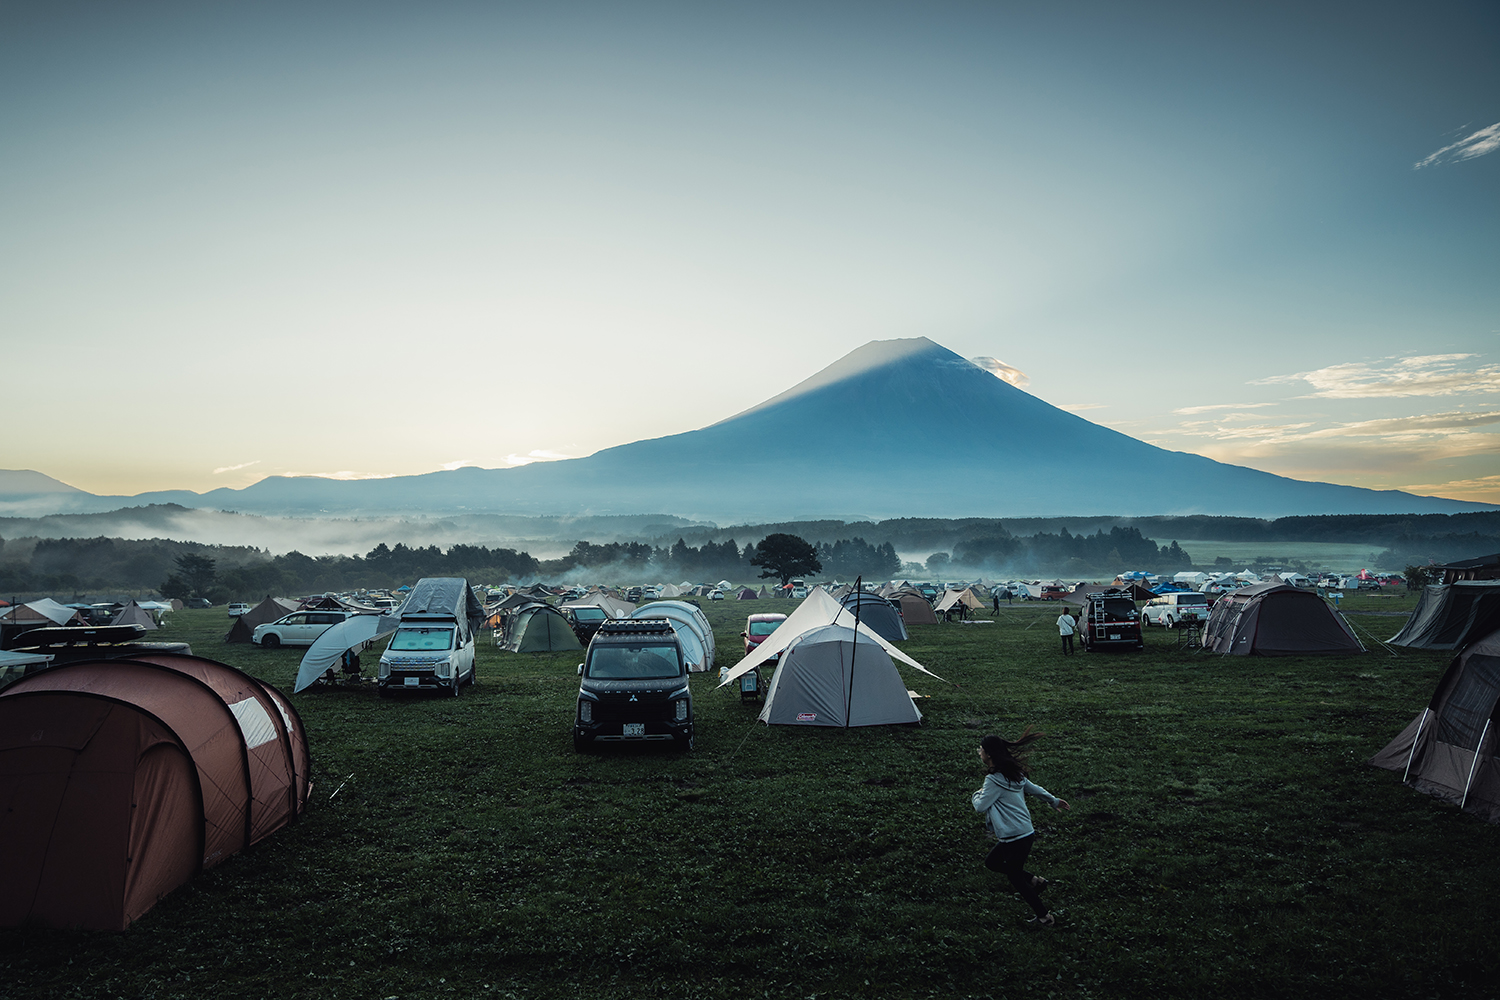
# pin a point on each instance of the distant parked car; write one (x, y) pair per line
(236, 609)
(299, 628)
(1172, 610)
(757, 627)
(198, 602)
(716, 595)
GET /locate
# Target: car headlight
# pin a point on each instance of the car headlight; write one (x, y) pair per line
(586, 711)
(680, 711)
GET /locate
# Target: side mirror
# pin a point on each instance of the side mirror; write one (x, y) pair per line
(580, 670)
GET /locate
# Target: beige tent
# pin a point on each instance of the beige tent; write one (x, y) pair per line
(915, 609)
(134, 614)
(953, 598)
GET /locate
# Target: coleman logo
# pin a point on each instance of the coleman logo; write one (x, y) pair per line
(806, 716)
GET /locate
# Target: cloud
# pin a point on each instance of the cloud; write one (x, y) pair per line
(1186, 410)
(1422, 375)
(1003, 371)
(450, 466)
(1433, 435)
(342, 475)
(235, 468)
(1482, 488)
(1486, 140)
(536, 455)
(1075, 407)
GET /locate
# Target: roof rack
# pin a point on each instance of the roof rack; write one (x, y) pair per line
(625, 626)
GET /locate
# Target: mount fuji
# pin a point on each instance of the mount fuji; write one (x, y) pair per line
(896, 428)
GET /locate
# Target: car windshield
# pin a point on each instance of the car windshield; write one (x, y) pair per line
(410, 639)
(633, 662)
(763, 628)
(589, 614)
(1192, 599)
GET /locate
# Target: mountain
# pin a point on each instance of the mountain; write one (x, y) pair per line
(896, 428)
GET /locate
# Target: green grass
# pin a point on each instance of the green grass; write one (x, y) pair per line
(1226, 839)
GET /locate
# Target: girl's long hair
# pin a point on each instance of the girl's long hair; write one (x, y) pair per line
(1009, 757)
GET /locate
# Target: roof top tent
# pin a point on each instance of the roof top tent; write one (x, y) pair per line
(264, 613)
(1478, 568)
(126, 778)
(691, 626)
(539, 628)
(1276, 619)
(1447, 617)
(446, 598)
(878, 613)
(831, 676)
(1451, 750)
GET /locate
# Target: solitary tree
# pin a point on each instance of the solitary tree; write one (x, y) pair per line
(785, 556)
(197, 572)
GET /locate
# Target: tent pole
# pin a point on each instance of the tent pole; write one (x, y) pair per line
(1422, 722)
(853, 650)
(1478, 747)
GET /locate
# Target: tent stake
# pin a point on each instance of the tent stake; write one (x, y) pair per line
(1478, 747)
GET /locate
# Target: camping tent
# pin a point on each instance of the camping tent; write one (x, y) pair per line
(1447, 617)
(125, 778)
(268, 610)
(1276, 619)
(134, 614)
(611, 606)
(815, 611)
(1451, 751)
(915, 609)
(691, 626)
(747, 594)
(539, 628)
(953, 598)
(878, 613)
(833, 676)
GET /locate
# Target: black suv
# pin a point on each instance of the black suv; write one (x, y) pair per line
(634, 686)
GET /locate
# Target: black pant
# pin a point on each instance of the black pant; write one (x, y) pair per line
(1009, 859)
(1067, 644)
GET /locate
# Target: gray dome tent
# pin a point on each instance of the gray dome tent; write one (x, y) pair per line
(827, 678)
(691, 626)
(878, 613)
(539, 628)
(1448, 617)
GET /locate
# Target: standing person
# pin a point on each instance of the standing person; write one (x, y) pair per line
(1066, 623)
(1001, 800)
(996, 595)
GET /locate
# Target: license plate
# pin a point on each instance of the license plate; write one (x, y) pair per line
(412, 682)
(635, 729)
(1114, 635)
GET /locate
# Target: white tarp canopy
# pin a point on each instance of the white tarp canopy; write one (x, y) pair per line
(817, 610)
(965, 597)
(832, 677)
(691, 626)
(15, 658)
(328, 649)
(58, 614)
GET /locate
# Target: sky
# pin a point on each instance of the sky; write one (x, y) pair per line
(243, 240)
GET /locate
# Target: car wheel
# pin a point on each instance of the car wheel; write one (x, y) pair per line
(271, 641)
(685, 744)
(457, 687)
(1168, 622)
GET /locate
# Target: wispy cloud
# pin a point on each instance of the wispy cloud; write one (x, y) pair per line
(450, 466)
(1484, 488)
(1486, 140)
(1003, 371)
(1422, 375)
(1188, 410)
(536, 455)
(1443, 434)
(235, 468)
(1077, 407)
(343, 474)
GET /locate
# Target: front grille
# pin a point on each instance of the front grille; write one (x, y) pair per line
(617, 709)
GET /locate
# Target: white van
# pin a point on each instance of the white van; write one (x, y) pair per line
(433, 646)
(1172, 610)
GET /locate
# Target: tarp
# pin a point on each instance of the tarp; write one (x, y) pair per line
(1447, 617)
(1451, 750)
(124, 778)
(878, 613)
(611, 606)
(134, 614)
(353, 633)
(831, 676)
(45, 609)
(269, 610)
(815, 611)
(691, 626)
(539, 628)
(1277, 619)
(446, 596)
(952, 598)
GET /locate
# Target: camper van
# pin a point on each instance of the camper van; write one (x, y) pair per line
(633, 686)
(433, 646)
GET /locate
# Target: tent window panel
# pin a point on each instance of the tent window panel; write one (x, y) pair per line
(1470, 705)
(254, 722)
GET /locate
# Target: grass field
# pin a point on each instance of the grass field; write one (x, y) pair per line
(1226, 840)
